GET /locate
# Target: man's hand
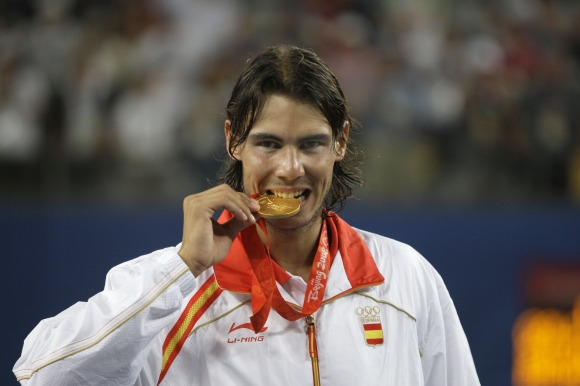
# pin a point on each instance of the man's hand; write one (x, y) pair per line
(205, 242)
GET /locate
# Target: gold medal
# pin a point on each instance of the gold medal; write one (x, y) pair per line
(273, 207)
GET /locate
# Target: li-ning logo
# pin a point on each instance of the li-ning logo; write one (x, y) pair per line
(370, 319)
(245, 339)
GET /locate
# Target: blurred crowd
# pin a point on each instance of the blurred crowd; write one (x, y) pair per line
(458, 101)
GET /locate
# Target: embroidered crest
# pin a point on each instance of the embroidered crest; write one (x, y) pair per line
(370, 319)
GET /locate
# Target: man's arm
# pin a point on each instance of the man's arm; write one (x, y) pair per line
(447, 358)
(108, 339)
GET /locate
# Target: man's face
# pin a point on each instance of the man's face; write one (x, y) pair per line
(290, 152)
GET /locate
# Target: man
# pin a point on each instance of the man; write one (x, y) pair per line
(298, 300)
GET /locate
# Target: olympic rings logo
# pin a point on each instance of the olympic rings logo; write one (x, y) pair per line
(365, 312)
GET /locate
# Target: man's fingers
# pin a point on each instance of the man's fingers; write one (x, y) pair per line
(242, 207)
(219, 198)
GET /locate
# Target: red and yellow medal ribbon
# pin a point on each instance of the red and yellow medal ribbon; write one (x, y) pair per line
(265, 292)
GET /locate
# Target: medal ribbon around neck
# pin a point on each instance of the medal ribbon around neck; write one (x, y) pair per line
(265, 292)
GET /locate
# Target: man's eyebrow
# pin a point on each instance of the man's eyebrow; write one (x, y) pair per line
(272, 137)
(264, 137)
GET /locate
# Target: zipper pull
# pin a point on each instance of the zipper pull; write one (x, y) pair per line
(312, 349)
(311, 331)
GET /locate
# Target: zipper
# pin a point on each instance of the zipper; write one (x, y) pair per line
(312, 349)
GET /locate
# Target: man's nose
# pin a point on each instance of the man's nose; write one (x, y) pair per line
(290, 165)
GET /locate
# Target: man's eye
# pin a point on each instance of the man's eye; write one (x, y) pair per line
(311, 144)
(267, 144)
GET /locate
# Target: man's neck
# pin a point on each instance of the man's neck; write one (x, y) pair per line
(294, 249)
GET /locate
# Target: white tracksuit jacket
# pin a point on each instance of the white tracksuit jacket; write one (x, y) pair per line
(126, 333)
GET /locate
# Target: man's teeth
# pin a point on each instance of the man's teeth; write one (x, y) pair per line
(298, 195)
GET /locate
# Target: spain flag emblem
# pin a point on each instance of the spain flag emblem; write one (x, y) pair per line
(373, 333)
(371, 323)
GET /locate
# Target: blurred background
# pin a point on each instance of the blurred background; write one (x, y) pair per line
(111, 112)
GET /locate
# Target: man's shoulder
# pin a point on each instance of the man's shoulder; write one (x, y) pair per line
(394, 256)
(385, 244)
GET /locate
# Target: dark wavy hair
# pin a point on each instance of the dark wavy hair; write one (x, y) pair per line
(299, 74)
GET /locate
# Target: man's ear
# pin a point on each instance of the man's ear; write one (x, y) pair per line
(341, 142)
(228, 133)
